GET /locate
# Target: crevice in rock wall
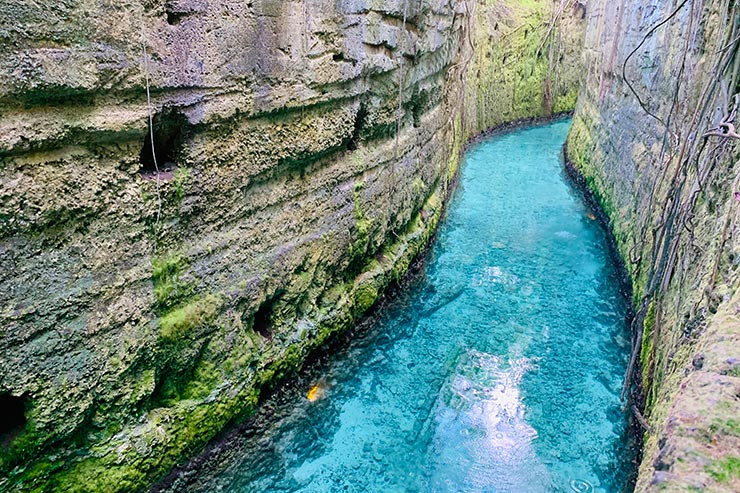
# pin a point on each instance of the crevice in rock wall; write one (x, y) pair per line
(13, 420)
(262, 321)
(170, 129)
(418, 105)
(177, 10)
(174, 18)
(359, 125)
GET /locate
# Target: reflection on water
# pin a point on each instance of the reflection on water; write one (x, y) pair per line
(483, 405)
(499, 371)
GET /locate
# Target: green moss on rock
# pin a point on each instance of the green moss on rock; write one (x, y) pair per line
(181, 322)
(512, 76)
(725, 470)
(169, 287)
(365, 295)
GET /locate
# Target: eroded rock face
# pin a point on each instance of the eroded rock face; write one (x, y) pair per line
(149, 288)
(669, 191)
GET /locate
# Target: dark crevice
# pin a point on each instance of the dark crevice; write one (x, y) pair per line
(170, 129)
(418, 104)
(13, 420)
(360, 118)
(176, 11)
(174, 18)
(262, 322)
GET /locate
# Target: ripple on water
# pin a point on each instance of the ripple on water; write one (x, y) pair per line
(581, 486)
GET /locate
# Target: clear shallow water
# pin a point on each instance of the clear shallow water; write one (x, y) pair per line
(498, 371)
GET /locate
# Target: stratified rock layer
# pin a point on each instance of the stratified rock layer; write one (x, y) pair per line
(150, 288)
(669, 191)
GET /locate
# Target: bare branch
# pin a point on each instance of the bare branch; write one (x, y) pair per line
(726, 127)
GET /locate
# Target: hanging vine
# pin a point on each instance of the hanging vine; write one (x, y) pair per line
(460, 69)
(694, 158)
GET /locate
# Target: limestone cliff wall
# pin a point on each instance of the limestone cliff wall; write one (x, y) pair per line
(150, 288)
(526, 62)
(670, 191)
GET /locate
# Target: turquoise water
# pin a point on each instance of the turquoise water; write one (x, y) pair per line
(498, 371)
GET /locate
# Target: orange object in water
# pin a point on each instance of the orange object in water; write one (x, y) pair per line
(591, 216)
(314, 393)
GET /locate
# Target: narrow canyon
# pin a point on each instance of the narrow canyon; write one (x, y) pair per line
(369, 245)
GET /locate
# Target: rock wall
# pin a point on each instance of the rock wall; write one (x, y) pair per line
(526, 62)
(648, 137)
(152, 283)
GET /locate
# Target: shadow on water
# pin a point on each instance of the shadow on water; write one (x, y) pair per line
(497, 368)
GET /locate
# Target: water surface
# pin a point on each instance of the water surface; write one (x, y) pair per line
(498, 371)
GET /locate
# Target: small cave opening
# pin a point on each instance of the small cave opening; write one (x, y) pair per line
(262, 321)
(173, 18)
(175, 12)
(360, 120)
(338, 57)
(418, 103)
(13, 421)
(170, 128)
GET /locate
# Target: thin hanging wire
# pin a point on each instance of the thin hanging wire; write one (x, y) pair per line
(151, 131)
